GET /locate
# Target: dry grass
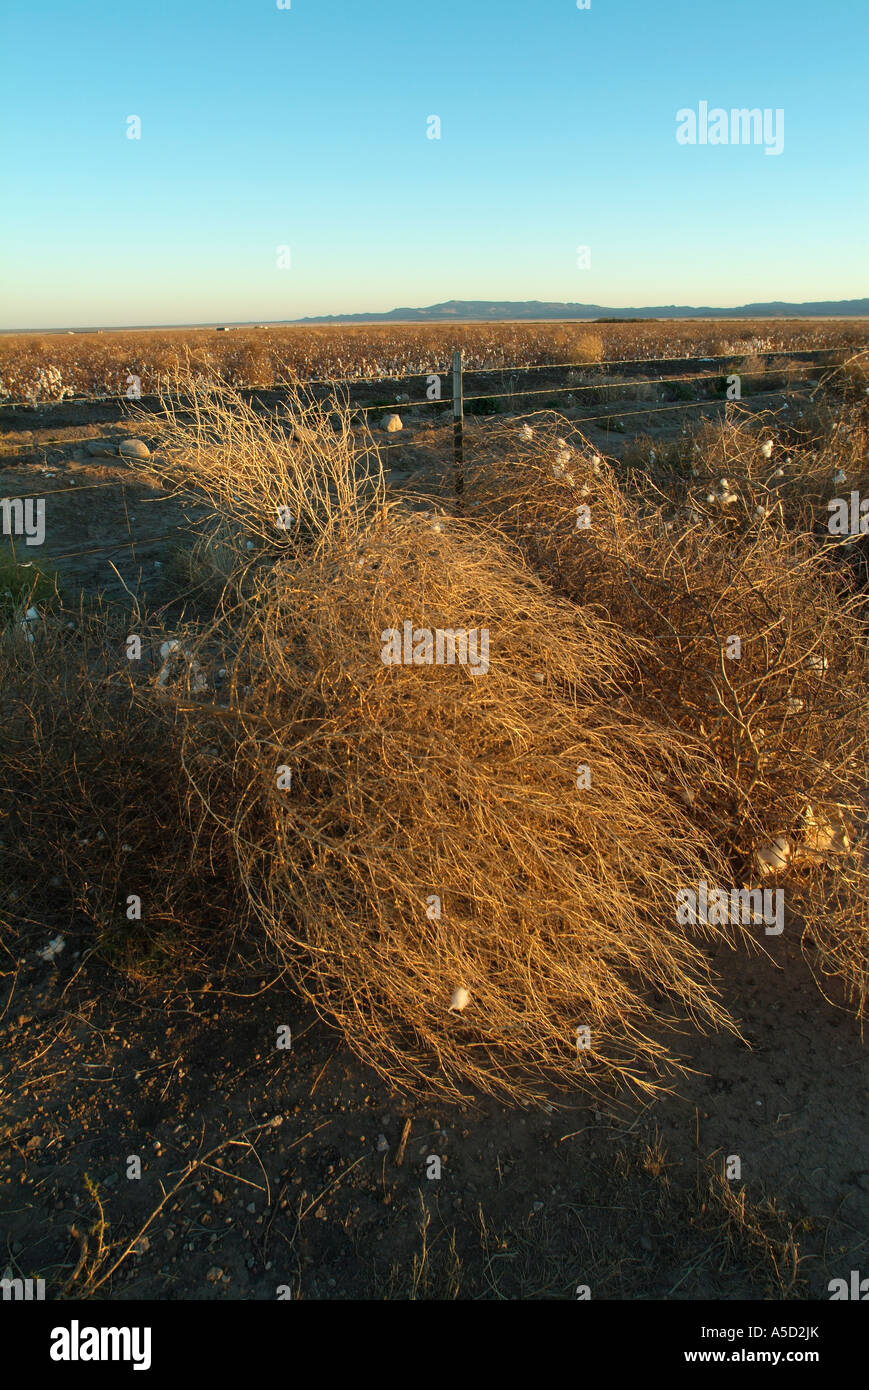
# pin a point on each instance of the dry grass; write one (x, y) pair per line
(409, 782)
(92, 785)
(782, 713)
(399, 832)
(756, 1236)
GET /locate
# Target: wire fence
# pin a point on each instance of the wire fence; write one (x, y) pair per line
(458, 399)
(500, 395)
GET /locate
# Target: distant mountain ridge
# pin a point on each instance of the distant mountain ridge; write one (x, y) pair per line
(478, 310)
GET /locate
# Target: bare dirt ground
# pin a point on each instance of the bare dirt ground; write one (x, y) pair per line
(264, 1169)
(302, 1182)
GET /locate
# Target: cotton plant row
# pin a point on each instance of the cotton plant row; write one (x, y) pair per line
(51, 367)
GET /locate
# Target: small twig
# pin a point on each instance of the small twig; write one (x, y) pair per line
(402, 1143)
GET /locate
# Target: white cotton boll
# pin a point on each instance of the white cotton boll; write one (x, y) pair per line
(459, 1000)
(436, 527)
(766, 448)
(729, 498)
(199, 682)
(761, 512)
(539, 677)
(527, 432)
(796, 706)
(54, 948)
(32, 615)
(775, 857)
(711, 498)
(821, 835)
(817, 662)
(724, 484)
(839, 476)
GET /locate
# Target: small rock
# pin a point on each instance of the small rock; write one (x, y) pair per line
(100, 448)
(391, 423)
(134, 449)
(382, 1144)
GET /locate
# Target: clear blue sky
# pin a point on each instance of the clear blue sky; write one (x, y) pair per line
(307, 127)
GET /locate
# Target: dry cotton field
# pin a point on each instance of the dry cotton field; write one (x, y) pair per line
(61, 366)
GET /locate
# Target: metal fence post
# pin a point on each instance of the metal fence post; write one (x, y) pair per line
(458, 423)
